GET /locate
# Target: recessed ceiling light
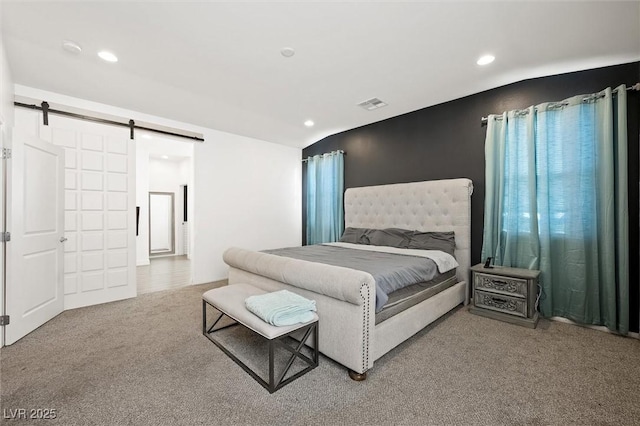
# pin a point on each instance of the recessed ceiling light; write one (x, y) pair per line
(71, 46)
(108, 56)
(309, 123)
(486, 59)
(165, 157)
(287, 52)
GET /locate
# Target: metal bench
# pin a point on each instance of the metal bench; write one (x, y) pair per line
(229, 301)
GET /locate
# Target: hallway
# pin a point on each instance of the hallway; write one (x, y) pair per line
(164, 273)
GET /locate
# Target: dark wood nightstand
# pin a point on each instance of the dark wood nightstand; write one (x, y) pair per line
(507, 294)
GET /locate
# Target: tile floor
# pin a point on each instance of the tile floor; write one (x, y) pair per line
(164, 273)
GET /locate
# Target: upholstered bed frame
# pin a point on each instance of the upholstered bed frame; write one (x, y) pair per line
(345, 298)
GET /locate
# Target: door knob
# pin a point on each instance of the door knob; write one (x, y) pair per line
(63, 239)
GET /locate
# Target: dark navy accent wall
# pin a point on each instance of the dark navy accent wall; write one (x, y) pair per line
(447, 141)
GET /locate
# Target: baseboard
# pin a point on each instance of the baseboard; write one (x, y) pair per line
(593, 327)
(143, 262)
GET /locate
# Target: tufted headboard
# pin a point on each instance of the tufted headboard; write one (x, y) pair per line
(437, 205)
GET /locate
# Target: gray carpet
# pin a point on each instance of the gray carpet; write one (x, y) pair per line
(145, 361)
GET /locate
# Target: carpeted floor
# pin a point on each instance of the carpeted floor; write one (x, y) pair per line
(144, 361)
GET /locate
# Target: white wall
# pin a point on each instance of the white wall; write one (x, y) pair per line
(247, 192)
(6, 85)
(253, 201)
(6, 124)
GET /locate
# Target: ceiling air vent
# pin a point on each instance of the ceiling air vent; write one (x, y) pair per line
(371, 104)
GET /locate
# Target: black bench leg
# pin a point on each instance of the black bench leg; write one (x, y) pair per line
(273, 384)
(204, 317)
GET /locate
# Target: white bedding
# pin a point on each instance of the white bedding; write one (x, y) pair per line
(444, 261)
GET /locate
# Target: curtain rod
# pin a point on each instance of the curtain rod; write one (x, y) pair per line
(131, 124)
(636, 87)
(331, 153)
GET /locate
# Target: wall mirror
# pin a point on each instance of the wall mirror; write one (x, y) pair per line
(161, 224)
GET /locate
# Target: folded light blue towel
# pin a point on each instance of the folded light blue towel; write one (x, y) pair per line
(281, 307)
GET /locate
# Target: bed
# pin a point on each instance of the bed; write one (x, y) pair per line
(346, 297)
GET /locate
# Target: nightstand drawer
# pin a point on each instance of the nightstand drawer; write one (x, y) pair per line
(507, 286)
(501, 303)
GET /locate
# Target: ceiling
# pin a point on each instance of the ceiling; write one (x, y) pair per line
(218, 64)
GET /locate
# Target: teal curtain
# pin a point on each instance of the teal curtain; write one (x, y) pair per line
(556, 200)
(324, 188)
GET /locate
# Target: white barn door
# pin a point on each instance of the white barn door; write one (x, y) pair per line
(35, 254)
(99, 217)
(99, 210)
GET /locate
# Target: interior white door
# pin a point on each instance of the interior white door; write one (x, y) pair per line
(35, 253)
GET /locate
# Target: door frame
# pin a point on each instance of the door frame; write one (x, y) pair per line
(5, 147)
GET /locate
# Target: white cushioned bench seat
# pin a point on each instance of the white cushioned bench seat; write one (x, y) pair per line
(230, 300)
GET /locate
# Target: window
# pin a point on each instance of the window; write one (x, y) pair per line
(555, 182)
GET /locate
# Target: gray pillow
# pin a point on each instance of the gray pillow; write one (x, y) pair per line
(443, 241)
(354, 236)
(390, 237)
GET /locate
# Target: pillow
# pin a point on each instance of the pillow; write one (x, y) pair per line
(443, 241)
(354, 236)
(390, 237)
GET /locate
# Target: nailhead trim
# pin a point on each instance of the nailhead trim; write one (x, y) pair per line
(365, 327)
